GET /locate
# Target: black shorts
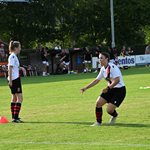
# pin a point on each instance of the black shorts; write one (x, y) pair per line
(16, 86)
(115, 96)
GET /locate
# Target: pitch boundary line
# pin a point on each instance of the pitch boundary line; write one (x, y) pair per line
(78, 143)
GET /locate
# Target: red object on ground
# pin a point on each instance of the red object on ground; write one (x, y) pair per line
(3, 120)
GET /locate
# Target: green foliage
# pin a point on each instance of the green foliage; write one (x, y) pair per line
(74, 22)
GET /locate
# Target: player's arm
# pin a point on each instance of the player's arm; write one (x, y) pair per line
(114, 82)
(10, 75)
(116, 79)
(23, 70)
(93, 83)
(62, 58)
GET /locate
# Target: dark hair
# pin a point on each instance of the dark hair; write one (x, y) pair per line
(106, 55)
(13, 45)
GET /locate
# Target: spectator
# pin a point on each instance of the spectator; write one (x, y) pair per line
(147, 52)
(111, 53)
(147, 49)
(57, 47)
(123, 52)
(98, 50)
(116, 55)
(64, 62)
(130, 51)
(44, 57)
(87, 60)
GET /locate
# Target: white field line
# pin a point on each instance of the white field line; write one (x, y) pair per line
(77, 143)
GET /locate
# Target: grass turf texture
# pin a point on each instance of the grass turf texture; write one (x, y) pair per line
(58, 117)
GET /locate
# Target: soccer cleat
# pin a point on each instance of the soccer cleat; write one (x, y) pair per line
(17, 121)
(113, 120)
(96, 124)
(20, 121)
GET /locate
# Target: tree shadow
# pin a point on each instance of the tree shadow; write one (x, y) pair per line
(72, 77)
(51, 78)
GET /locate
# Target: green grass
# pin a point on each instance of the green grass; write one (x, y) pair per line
(58, 117)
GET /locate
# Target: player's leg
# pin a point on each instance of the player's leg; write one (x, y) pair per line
(117, 98)
(18, 94)
(111, 109)
(98, 110)
(18, 106)
(13, 103)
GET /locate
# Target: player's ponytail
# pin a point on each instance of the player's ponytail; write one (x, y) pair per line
(13, 45)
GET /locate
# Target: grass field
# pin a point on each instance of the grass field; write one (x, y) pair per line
(58, 117)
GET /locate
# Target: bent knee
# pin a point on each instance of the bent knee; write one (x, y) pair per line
(110, 110)
(98, 104)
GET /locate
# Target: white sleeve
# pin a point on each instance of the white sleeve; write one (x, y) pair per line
(11, 61)
(115, 72)
(100, 75)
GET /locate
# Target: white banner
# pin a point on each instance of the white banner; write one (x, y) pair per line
(142, 59)
(126, 61)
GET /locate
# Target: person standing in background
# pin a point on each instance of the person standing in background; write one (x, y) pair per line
(130, 51)
(98, 50)
(87, 60)
(147, 52)
(111, 53)
(44, 57)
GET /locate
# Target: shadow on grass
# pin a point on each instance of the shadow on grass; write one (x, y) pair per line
(136, 125)
(72, 123)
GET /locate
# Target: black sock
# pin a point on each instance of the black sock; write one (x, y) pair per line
(12, 109)
(114, 114)
(99, 113)
(17, 110)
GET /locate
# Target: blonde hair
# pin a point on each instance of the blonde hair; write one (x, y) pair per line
(13, 45)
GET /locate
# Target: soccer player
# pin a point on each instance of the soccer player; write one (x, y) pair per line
(113, 94)
(14, 80)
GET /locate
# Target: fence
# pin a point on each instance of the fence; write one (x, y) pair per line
(135, 60)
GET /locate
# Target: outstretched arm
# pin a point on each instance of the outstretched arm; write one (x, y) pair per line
(93, 83)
